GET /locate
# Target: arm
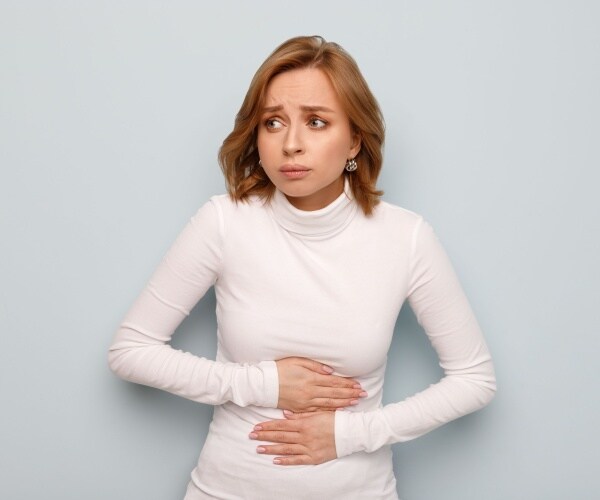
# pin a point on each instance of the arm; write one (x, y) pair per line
(140, 351)
(442, 309)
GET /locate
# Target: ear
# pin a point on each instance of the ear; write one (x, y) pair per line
(356, 145)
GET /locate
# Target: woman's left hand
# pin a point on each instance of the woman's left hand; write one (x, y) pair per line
(301, 439)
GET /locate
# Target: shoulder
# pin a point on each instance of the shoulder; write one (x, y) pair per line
(396, 217)
(414, 232)
(224, 214)
(222, 204)
(226, 206)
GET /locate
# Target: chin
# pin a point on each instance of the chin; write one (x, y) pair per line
(296, 191)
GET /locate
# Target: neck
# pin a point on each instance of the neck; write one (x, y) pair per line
(322, 223)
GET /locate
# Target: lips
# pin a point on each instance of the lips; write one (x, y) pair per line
(294, 171)
(293, 168)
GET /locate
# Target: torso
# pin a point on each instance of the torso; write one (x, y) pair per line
(328, 289)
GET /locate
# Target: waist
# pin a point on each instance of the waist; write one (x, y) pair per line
(230, 467)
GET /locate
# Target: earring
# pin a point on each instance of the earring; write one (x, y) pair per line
(351, 165)
(259, 163)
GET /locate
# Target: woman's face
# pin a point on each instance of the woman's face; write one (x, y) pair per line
(305, 138)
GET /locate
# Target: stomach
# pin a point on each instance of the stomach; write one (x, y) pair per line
(229, 466)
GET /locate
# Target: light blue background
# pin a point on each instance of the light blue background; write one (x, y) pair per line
(111, 115)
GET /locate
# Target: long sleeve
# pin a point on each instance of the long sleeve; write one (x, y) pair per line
(140, 351)
(468, 384)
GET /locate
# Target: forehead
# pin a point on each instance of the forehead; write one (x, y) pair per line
(302, 87)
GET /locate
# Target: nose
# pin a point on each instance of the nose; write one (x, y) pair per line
(293, 143)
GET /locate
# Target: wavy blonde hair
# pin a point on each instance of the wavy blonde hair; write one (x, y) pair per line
(238, 156)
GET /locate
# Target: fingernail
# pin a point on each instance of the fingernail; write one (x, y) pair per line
(354, 402)
(327, 369)
(253, 435)
(276, 461)
(287, 413)
(260, 449)
(257, 428)
(356, 386)
(363, 394)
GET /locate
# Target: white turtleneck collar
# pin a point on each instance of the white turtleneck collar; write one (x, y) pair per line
(316, 224)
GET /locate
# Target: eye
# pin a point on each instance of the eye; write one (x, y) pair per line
(273, 124)
(317, 123)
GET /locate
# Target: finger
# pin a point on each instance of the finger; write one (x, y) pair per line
(311, 410)
(293, 460)
(339, 393)
(331, 404)
(275, 436)
(281, 449)
(336, 381)
(276, 425)
(314, 366)
(322, 408)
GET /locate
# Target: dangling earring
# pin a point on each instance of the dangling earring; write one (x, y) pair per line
(351, 165)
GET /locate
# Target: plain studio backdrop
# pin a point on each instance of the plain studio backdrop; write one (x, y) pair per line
(111, 116)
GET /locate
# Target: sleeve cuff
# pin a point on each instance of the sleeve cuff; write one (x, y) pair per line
(347, 432)
(270, 393)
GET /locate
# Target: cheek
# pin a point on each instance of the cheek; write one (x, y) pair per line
(338, 149)
(264, 143)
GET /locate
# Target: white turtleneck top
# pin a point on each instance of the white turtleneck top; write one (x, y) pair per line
(326, 285)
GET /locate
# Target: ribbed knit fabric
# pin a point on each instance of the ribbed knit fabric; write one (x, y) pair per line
(326, 285)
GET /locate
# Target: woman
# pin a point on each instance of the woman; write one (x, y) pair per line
(310, 270)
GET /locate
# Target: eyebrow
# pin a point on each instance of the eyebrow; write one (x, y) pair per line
(312, 109)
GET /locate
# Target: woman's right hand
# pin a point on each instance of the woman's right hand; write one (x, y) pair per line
(307, 385)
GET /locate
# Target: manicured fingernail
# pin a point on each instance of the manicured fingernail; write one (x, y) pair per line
(253, 435)
(260, 449)
(257, 428)
(363, 394)
(327, 369)
(354, 402)
(287, 413)
(356, 386)
(276, 461)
